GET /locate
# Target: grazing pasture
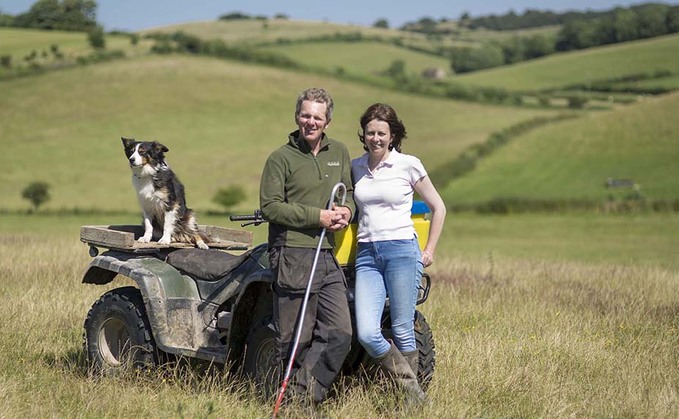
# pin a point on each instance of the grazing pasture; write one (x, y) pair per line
(534, 315)
(582, 67)
(572, 160)
(522, 327)
(368, 59)
(283, 31)
(18, 43)
(220, 120)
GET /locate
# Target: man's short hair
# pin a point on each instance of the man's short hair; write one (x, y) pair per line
(316, 94)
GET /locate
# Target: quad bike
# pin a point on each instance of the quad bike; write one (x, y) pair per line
(213, 305)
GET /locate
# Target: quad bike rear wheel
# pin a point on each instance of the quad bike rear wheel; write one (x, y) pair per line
(260, 358)
(424, 341)
(425, 346)
(117, 334)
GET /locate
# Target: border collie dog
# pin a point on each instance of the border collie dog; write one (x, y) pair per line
(161, 195)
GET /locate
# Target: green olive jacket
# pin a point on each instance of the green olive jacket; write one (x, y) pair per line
(296, 186)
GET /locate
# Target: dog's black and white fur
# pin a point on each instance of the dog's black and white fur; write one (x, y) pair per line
(161, 195)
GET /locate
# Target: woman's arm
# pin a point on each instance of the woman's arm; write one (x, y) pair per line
(431, 197)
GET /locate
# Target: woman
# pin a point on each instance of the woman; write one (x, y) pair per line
(388, 259)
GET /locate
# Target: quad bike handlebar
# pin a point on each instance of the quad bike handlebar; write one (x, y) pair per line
(255, 219)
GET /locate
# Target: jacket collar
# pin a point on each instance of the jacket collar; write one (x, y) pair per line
(302, 145)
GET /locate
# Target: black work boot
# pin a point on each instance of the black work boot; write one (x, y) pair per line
(396, 367)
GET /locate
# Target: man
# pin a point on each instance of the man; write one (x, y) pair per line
(296, 184)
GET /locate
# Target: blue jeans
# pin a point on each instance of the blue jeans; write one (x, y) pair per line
(393, 268)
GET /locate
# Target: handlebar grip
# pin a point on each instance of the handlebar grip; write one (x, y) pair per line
(244, 218)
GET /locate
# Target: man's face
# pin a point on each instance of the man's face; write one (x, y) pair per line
(311, 120)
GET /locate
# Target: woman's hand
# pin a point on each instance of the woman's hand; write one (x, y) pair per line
(427, 257)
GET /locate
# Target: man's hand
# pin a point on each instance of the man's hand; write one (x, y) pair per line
(336, 218)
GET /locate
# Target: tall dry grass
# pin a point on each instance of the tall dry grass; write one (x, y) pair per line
(532, 339)
(514, 339)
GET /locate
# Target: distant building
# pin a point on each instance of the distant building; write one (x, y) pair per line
(435, 73)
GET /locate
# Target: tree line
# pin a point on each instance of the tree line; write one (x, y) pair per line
(66, 15)
(590, 30)
(619, 25)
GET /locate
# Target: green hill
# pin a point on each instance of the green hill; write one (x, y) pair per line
(360, 58)
(219, 118)
(581, 67)
(19, 43)
(283, 31)
(572, 160)
(30, 49)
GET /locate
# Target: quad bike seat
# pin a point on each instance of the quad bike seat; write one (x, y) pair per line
(208, 265)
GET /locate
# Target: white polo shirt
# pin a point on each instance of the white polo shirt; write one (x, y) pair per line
(384, 197)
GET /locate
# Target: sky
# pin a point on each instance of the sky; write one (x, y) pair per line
(134, 15)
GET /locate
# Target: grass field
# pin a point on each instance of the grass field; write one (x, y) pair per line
(244, 32)
(19, 43)
(573, 159)
(665, 82)
(273, 31)
(367, 59)
(581, 67)
(219, 119)
(522, 328)
(534, 315)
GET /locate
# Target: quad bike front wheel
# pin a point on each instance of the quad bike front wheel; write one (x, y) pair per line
(117, 334)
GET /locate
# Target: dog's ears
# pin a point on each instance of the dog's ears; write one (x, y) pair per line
(160, 147)
(127, 141)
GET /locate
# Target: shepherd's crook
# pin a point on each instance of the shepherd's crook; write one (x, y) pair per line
(302, 311)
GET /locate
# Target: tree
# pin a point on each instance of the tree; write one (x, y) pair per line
(465, 19)
(468, 59)
(576, 34)
(427, 25)
(72, 15)
(6, 61)
(397, 70)
(230, 196)
(626, 25)
(652, 20)
(96, 38)
(673, 20)
(513, 50)
(537, 46)
(381, 23)
(37, 193)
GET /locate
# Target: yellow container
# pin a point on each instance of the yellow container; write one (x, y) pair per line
(345, 239)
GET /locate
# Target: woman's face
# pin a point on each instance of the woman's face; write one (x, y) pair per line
(377, 137)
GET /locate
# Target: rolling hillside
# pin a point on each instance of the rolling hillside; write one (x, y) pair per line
(18, 43)
(581, 67)
(572, 160)
(283, 31)
(369, 59)
(220, 120)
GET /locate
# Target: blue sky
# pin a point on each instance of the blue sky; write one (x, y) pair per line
(135, 15)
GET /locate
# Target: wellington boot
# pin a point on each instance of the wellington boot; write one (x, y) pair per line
(413, 359)
(396, 367)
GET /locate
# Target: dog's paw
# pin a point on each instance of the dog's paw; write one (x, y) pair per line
(144, 239)
(201, 244)
(164, 240)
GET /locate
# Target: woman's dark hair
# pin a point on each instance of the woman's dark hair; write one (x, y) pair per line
(383, 112)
